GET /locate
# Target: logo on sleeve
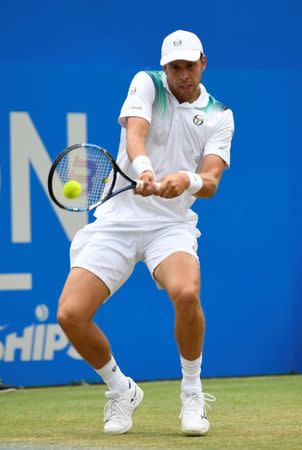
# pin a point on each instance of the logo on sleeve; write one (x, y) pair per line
(198, 120)
(133, 90)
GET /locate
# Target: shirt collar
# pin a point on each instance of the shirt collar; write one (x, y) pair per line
(201, 102)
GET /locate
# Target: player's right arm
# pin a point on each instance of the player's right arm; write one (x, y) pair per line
(136, 116)
(137, 131)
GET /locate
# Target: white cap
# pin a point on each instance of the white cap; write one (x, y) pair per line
(180, 45)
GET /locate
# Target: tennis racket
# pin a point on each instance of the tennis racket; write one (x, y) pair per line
(92, 170)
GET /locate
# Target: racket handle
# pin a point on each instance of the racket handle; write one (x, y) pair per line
(140, 183)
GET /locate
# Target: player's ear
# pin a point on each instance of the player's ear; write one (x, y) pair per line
(165, 69)
(203, 61)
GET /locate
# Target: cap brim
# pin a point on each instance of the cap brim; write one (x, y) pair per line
(185, 55)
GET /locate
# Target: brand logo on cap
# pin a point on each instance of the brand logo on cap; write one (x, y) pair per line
(177, 43)
(198, 120)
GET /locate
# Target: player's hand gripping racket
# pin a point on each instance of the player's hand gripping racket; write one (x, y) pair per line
(83, 176)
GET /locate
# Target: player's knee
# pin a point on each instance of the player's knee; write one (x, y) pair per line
(186, 298)
(68, 316)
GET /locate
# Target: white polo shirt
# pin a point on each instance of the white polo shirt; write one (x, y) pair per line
(179, 136)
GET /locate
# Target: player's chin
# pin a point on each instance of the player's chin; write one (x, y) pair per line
(185, 92)
(186, 88)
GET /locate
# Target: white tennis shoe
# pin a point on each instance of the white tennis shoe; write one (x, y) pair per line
(119, 409)
(194, 421)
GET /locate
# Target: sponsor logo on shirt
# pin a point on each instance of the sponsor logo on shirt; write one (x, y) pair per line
(198, 120)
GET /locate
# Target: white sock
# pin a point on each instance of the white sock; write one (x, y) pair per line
(113, 377)
(191, 375)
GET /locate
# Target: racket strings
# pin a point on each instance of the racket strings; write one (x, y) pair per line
(91, 169)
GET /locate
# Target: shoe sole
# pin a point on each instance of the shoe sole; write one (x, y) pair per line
(195, 432)
(138, 399)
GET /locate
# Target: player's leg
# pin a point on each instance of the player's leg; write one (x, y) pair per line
(179, 275)
(100, 265)
(81, 297)
(172, 260)
(170, 254)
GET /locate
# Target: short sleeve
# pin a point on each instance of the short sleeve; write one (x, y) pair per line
(139, 100)
(219, 142)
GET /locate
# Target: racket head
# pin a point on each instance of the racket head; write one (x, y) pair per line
(89, 165)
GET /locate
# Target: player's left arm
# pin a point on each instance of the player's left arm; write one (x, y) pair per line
(211, 173)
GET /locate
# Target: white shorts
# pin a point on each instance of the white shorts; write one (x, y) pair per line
(111, 253)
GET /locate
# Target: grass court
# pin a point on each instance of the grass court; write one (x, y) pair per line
(249, 413)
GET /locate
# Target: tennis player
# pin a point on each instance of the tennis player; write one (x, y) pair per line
(175, 132)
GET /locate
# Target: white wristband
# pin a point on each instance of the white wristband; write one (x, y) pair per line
(195, 182)
(140, 164)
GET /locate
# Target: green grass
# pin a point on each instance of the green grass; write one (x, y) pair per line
(250, 413)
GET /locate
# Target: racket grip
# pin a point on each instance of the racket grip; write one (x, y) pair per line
(139, 183)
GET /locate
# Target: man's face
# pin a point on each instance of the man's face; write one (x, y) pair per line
(183, 78)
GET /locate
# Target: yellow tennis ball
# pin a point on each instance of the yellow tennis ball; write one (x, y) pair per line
(72, 189)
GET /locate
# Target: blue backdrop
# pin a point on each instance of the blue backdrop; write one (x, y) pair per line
(65, 70)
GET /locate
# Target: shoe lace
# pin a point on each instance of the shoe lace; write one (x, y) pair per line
(197, 403)
(117, 406)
